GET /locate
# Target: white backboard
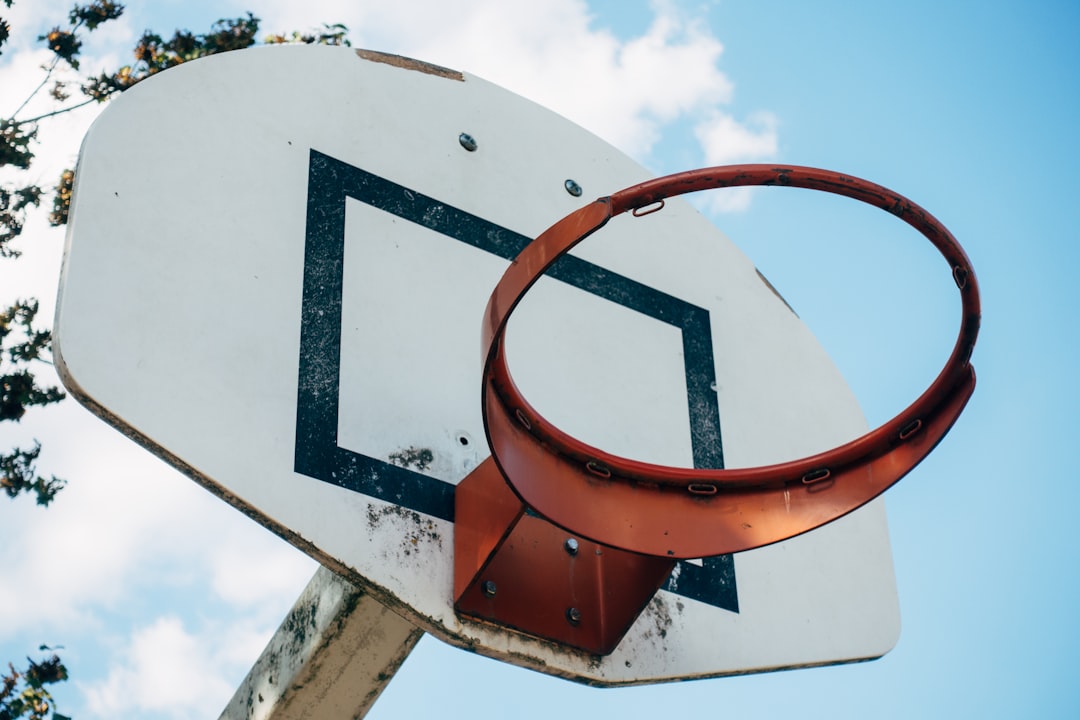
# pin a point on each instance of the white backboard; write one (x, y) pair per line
(276, 268)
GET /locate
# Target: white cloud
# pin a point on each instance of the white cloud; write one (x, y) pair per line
(127, 523)
(164, 669)
(28, 20)
(725, 141)
(248, 567)
(728, 200)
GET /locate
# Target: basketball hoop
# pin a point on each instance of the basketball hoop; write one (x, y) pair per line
(684, 512)
(667, 513)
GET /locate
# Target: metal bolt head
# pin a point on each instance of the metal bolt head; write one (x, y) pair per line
(488, 587)
(572, 187)
(573, 616)
(571, 546)
(467, 141)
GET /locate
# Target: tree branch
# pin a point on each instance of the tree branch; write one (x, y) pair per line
(44, 82)
(60, 111)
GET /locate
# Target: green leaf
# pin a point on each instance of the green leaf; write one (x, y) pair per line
(95, 13)
(65, 44)
(18, 476)
(25, 694)
(18, 390)
(14, 202)
(15, 140)
(62, 198)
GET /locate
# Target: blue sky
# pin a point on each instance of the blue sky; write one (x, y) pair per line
(967, 107)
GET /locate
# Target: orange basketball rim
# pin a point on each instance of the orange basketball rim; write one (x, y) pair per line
(636, 519)
(689, 513)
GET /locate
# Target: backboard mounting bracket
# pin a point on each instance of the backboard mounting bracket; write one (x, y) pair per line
(521, 571)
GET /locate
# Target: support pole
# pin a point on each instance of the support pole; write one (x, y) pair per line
(333, 655)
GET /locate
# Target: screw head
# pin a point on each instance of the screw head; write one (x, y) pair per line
(467, 141)
(572, 187)
(573, 616)
(488, 588)
(571, 546)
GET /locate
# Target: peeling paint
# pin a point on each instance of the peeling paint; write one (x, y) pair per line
(673, 579)
(421, 529)
(413, 457)
(410, 64)
(661, 615)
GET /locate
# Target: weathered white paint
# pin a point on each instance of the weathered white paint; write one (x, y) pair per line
(179, 322)
(333, 655)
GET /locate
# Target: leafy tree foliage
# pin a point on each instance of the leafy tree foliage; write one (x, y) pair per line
(25, 694)
(23, 342)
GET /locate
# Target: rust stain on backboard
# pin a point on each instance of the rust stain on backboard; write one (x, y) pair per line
(410, 64)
